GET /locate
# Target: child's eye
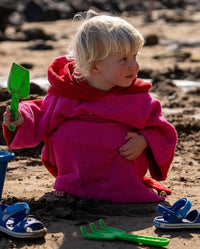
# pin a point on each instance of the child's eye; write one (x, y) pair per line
(124, 59)
(134, 56)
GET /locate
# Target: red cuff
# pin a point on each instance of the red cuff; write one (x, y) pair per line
(8, 134)
(147, 181)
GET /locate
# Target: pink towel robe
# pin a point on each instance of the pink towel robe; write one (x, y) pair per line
(82, 141)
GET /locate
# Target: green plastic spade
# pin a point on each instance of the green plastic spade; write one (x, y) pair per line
(18, 85)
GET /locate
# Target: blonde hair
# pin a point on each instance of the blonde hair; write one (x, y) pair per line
(99, 36)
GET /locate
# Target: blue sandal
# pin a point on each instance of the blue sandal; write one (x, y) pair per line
(14, 222)
(177, 216)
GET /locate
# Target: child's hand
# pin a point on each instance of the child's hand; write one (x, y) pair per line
(134, 147)
(7, 118)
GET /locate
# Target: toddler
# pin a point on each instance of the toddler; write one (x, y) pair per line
(102, 129)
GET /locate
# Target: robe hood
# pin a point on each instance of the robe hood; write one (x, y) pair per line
(63, 83)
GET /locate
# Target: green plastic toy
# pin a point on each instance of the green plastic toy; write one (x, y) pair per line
(19, 86)
(109, 233)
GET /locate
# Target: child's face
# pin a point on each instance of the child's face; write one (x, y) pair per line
(117, 70)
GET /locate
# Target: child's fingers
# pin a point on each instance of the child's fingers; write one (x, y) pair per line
(131, 157)
(125, 152)
(127, 145)
(128, 154)
(124, 147)
(14, 123)
(7, 116)
(19, 121)
(7, 122)
(131, 135)
(7, 111)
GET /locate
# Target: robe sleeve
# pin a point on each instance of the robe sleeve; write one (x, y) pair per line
(37, 117)
(162, 138)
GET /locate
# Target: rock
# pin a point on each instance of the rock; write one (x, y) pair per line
(5, 11)
(163, 86)
(151, 40)
(171, 4)
(192, 44)
(4, 95)
(2, 36)
(178, 55)
(18, 34)
(36, 34)
(177, 18)
(35, 89)
(27, 65)
(36, 10)
(145, 73)
(40, 45)
(51, 10)
(33, 11)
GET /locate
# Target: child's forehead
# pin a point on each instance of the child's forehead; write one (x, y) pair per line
(125, 47)
(123, 53)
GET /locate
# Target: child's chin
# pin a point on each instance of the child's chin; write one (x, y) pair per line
(128, 84)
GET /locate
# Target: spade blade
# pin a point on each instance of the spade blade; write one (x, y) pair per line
(18, 86)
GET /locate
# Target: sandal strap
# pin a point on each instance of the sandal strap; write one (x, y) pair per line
(193, 216)
(186, 203)
(176, 212)
(18, 210)
(31, 222)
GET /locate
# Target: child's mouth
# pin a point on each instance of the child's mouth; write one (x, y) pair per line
(130, 76)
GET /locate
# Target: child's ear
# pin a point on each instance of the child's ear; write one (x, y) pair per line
(94, 68)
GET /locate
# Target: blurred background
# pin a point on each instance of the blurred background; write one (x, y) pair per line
(16, 12)
(31, 28)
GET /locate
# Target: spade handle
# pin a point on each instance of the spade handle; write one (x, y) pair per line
(14, 110)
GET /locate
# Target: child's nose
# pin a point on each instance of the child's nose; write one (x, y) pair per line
(133, 64)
